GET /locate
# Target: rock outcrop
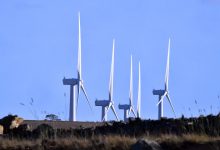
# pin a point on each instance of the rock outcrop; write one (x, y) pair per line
(146, 145)
(10, 122)
(16, 122)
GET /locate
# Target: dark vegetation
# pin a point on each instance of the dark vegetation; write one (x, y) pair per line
(172, 134)
(52, 117)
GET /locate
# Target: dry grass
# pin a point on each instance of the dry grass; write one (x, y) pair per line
(194, 138)
(18, 144)
(101, 142)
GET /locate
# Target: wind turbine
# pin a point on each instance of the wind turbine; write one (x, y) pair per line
(76, 83)
(108, 104)
(139, 92)
(128, 108)
(164, 93)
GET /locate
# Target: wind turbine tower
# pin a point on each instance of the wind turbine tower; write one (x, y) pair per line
(164, 92)
(108, 104)
(76, 83)
(128, 108)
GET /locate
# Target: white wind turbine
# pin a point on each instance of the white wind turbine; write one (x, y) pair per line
(76, 83)
(164, 93)
(139, 92)
(108, 104)
(128, 108)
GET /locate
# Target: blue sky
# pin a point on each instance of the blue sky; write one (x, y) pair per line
(38, 47)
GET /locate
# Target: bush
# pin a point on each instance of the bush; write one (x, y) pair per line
(44, 131)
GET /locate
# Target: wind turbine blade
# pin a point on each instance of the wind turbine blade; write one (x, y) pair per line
(139, 92)
(169, 100)
(134, 113)
(132, 109)
(161, 99)
(79, 67)
(84, 91)
(106, 112)
(78, 92)
(113, 109)
(112, 73)
(129, 111)
(167, 68)
(131, 85)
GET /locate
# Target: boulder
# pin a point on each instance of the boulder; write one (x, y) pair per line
(1, 129)
(10, 122)
(146, 145)
(16, 122)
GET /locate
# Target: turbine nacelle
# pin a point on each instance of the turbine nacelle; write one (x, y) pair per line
(124, 106)
(159, 92)
(70, 81)
(102, 102)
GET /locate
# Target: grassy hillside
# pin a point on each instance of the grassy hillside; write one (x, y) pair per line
(166, 134)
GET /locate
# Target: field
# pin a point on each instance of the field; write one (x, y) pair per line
(62, 124)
